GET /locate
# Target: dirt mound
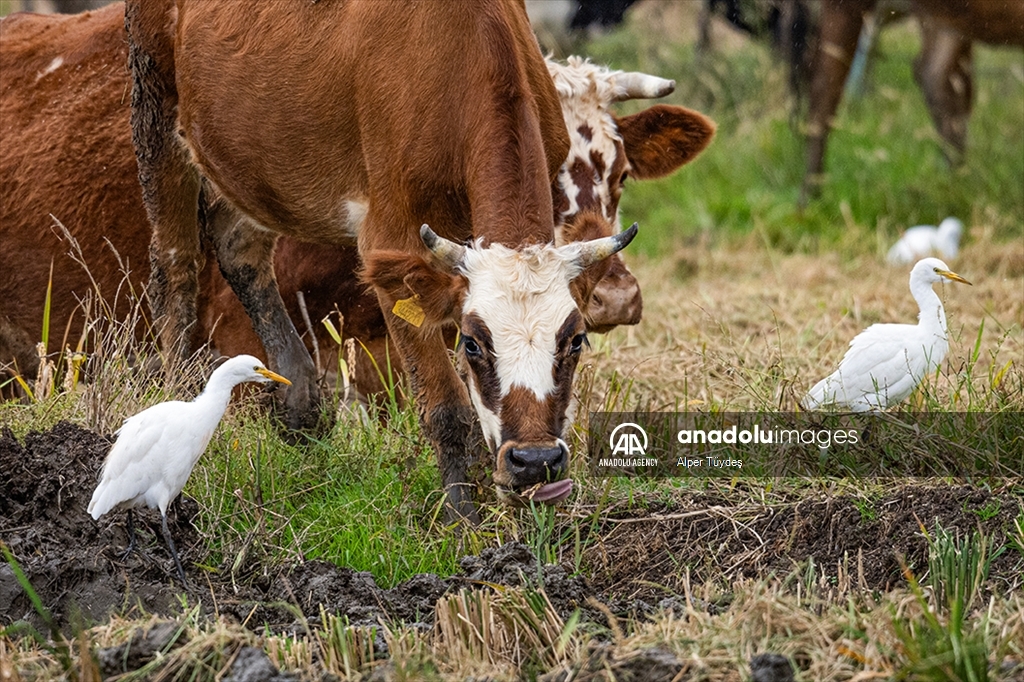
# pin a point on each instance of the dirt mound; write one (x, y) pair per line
(72, 561)
(76, 565)
(720, 542)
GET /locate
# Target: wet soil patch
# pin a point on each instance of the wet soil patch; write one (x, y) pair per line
(636, 561)
(77, 567)
(854, 539)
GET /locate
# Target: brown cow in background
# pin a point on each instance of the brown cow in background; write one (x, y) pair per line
(64, 149)
(943, 70)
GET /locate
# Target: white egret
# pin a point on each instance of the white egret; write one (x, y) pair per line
(157, 449)
(926, 240)
(886, 362)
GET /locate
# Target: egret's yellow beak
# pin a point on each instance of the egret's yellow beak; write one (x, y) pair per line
(272, 375)
(953, 276)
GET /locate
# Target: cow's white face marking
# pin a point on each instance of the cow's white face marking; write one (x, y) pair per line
(490, 422)
(522, 298)
(591, 176)
(55, 64)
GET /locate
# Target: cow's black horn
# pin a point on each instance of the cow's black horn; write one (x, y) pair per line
(445, 250)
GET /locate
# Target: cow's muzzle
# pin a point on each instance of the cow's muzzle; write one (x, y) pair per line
(616, 300)
(537, 471)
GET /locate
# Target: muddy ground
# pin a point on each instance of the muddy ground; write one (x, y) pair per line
(76, 566)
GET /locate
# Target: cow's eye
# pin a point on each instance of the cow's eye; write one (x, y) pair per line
(471, 347)
(577, 343)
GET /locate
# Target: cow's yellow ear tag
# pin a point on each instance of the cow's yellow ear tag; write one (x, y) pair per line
(409, 310)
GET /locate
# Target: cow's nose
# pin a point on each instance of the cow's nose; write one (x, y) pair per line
(532, 465)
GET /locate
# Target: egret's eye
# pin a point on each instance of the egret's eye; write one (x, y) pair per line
(577, 343)
(471, 347)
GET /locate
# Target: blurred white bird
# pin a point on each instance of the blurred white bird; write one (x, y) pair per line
(157, 449)
(925, 240)
(886, 362)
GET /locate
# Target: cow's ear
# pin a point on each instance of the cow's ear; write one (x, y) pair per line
(662, 138)
(423, 295)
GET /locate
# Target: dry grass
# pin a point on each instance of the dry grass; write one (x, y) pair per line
(828, 632)
(746, 327)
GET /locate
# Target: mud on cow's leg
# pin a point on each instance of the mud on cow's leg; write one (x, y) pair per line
(170, 183)
(245, 254)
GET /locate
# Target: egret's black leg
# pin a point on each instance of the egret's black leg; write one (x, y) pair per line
(131, 537)
(174, 552)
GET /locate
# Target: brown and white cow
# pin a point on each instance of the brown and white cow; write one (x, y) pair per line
(605, 151)
(293, 114)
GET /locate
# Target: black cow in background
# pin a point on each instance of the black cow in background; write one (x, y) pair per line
(787, 24)
(602, 13)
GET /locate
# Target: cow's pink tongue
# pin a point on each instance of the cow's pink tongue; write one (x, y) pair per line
(552, 493)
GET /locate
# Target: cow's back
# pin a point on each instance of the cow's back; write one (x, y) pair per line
(999, 22)
(62, 75)
(294, 113)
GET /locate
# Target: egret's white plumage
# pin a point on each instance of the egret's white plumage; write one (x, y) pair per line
(926, 240)
(886, 362)
(157, 449)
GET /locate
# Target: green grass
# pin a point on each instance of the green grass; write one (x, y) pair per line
(885, 166)
(364, 497)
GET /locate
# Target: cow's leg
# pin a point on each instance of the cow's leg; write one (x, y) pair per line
(943, 70)
(704, 25)
(442, 402)
(840, 29)
(245, 254)
(170, 183)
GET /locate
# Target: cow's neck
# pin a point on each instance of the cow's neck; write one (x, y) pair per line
(509, 180)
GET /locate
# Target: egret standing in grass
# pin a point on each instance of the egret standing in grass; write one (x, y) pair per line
(886, 362)
(157, 449)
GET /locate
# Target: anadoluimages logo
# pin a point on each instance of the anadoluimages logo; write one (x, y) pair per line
(628, 439)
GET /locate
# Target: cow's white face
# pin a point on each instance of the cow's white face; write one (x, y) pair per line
(521, 336)
(519, 321)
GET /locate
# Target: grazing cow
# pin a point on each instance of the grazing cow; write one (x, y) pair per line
(942, 70)
(605, 150)
(314, 119)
